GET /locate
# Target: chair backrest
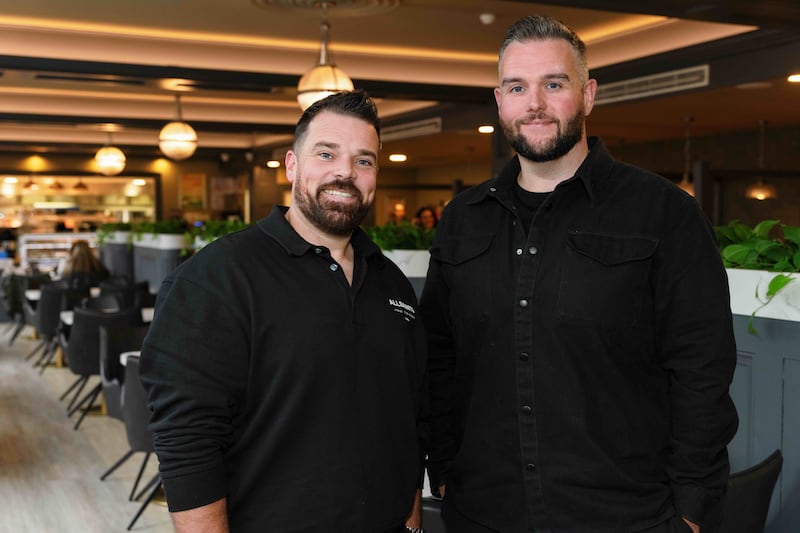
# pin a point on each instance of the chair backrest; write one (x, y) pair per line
(135, 413)
(52, 301)
(115, 339)
(83, 349)
(749, 495)
(432, 516)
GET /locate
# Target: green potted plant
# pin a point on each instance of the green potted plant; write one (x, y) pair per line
(160, 234)
(114, 232)
(202, 233)
(406, 244)
(765, 261)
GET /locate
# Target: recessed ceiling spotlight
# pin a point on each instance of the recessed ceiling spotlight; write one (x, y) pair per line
(794, 78)
(398, 158)
(486, 128)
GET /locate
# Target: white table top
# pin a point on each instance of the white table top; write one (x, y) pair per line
(68, 317)
(34, 295)
(123, 357)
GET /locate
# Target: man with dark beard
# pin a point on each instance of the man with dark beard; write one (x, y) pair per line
(580, 343)
(285, 364)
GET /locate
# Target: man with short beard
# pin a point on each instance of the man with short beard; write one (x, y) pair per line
(285, 363)
(580, 344)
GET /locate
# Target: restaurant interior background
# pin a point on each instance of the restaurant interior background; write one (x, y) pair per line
(696, 91)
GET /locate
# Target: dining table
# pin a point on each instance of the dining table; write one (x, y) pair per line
(68, 316)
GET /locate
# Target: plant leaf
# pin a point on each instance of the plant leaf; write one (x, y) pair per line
(762, 229)
(791, 233)
(777, 283)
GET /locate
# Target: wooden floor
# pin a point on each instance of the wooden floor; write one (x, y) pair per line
(50, 473)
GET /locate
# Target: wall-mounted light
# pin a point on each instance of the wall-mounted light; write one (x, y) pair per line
(325, 78)
(486, 128)
(177, 139)
(398, 158)
(272, 163)
(794, 78)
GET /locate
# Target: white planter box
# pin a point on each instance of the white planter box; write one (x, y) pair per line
(118, 237)
(743, 285)
(160, 241)
(413, 263)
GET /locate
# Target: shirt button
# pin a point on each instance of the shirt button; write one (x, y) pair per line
(519, 251)
(317, 251)
(523, 356)
(533, 250)
(527, 409)
(530, 467)
(493, 189)
(334, 267)
(523, 303)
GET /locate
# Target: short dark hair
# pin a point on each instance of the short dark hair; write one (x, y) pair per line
(541, 28)
(354, 104)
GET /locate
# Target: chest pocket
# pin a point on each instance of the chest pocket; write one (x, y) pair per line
(605, 278)
(466, 267)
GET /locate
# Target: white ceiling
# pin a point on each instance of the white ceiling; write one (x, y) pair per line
(248, 54)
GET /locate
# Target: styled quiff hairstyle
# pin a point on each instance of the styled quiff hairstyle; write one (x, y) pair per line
(354, 104)
(541, 28)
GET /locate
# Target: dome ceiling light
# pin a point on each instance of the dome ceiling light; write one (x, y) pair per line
(177, 139)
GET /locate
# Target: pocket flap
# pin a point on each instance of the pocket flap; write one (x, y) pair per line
(462, 249)
(612, 249)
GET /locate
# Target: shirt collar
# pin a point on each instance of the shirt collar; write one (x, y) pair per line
(591, 174)
(276, 226)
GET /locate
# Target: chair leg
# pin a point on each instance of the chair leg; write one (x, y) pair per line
(117, 465)
(20, 327)
(82, 381)
(92, 396)
(139, 478)
(146, 502)
(36, 349)
(49, 354)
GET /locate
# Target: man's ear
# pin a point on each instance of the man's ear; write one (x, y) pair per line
(291, 165)
(589, 91)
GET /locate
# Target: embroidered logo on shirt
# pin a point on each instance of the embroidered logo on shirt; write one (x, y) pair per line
(399, 306)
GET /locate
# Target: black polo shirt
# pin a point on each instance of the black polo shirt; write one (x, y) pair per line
(579, 371)
(276, 384)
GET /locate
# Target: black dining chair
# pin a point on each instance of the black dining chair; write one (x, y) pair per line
(137, 416)
(748, 497)
(82, 352)
(432, 516)
(115, 340)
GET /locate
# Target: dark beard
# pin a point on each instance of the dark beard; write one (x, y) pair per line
(556, 148)
(334, 219)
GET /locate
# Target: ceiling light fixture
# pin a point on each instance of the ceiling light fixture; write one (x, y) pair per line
(761, 190)
(325, 78)
(686, 180)
(794, 78)
(177, 139)
(486, 128)
(81, 186)
(273, 163)
(110, 160)
(398, 158)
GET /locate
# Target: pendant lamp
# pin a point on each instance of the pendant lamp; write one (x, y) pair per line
(109, 159)
(686, 180)
(325, 78)
(761, 190)
(177, 140)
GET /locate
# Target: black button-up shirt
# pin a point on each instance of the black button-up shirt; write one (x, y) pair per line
(579, 373)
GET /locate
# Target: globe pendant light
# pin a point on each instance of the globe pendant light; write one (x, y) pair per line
(177, 140)
(761, 190)
(110, 160)
(686, 182)
(325, 78)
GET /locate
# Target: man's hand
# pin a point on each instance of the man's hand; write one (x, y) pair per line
(414, 520)
(695, 528)
(441, 491)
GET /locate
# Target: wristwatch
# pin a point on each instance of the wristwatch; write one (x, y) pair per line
(415, 529)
